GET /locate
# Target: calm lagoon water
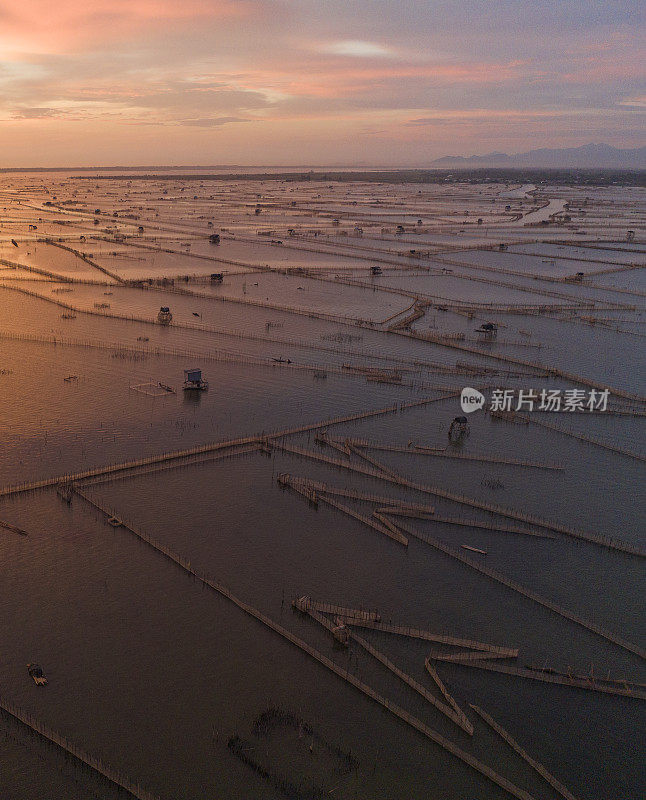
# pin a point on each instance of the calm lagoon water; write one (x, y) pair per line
(153, 672)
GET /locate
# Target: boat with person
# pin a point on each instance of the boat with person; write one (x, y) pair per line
(37, 675)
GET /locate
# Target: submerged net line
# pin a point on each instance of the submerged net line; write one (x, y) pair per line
(461, 368)
(118, 778)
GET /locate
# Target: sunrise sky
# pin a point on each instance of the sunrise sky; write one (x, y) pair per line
(374, 82)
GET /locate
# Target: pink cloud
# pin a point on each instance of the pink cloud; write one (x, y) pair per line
(337, 80)
(61, 26)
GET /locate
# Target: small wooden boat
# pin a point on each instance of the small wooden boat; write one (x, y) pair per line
(12, 528)
(474, 549)
(37, 674)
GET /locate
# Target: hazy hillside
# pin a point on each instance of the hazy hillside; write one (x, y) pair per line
(586, 156)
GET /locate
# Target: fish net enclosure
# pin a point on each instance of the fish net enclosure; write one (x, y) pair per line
(289, 754)
(152, 389)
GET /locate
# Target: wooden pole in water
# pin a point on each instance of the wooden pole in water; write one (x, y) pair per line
(96, 764)
(535, 765)
(368, 691)
(613, 687)
(437, 453)
(453, 712)
(388, 475)
(12, 528)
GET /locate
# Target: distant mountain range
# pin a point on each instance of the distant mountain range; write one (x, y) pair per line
(588, 156)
